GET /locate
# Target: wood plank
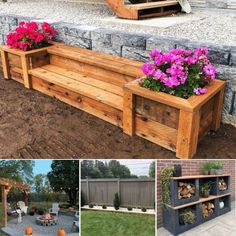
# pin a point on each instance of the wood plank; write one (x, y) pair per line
(128, 113)
(90, 70)
(148, 5)
(198, 176)
(20, 52)
(16, 75)
(39, 59)
(100, 110)
(14, 60)
(215, 86)
(25, 69)
(156, 111)
(156, 133)
(81, 88)
(116, 66)
(101, 55)
(5, 65)
(121, 10)
(201, 200)
(168, 99)
(188, 130)
(83, 78)
(4, 205)
(218, 105)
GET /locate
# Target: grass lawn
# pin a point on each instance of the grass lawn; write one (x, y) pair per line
(95, 223)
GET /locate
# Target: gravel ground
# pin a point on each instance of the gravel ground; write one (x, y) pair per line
(217, 26)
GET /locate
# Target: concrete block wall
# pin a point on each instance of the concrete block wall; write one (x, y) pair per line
(190, 167)
(136, 47)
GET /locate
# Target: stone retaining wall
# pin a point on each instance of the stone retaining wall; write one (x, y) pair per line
(137, 46)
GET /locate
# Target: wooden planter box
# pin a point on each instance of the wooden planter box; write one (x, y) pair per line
(17, 63)
(174, 123)
(105, 86)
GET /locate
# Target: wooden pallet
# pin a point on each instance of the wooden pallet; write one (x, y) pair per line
(144, 9)
(106, 87)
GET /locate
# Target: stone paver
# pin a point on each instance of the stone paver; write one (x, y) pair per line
(17, 229)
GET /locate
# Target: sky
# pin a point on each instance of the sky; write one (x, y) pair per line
(137, 167)
(42, 166)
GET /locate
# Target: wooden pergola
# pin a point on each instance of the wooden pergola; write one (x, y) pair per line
(6, 185)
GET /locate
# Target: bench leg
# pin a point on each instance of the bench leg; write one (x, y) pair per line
(5, 65)
(218, 104)
(128, 113)
(25, 68)
(187, 139)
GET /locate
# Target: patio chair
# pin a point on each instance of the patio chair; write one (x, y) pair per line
(55, 209)
(21, 205)
(77, 215)
(11, 211)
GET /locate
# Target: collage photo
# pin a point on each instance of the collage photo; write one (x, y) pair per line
(117, 117)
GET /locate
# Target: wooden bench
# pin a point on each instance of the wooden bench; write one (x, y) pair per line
(106, 87)
(143, 9)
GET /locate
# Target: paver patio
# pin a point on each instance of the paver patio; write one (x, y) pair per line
(223, 225)
(15, 229)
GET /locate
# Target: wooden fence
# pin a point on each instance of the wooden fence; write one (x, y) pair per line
(132, 192)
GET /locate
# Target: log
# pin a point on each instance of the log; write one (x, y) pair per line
(207, 209)
(222, 185)
(186, 190)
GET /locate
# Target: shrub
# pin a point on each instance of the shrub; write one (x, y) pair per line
(129, 208)
(41, 211)
(144, 209)
(28, 36)
(179, 72)
(91, 205)
(166, 173)
(104, 207)
(117, 201)
(187, 216)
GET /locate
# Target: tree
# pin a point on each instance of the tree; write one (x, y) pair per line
(64, 176)
(19, 170)
(116, 201)
(41, 184)
(118, 170)
(152, 169)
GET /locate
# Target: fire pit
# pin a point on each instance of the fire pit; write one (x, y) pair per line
(47, 220)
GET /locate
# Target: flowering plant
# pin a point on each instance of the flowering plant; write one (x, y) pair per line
(178, 72)
(28, 36)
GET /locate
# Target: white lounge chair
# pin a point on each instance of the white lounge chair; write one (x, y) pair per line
(21, 205)
(55, 209)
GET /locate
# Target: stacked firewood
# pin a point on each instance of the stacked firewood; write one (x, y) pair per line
(222, 185)
(186, 190)
(207, 209)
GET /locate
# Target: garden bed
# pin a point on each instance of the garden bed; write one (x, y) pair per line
(121, 210)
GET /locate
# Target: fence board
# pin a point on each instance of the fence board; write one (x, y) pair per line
(132, 192)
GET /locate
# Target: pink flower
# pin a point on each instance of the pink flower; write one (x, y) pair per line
(147, 68)
(210, 71)
(154, 53)
(199, 91)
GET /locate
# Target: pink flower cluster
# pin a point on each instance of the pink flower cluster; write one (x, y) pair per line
(174, 67)
(28, 36)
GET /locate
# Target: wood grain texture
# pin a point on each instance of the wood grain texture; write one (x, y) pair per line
(98, 109)
(188, 131)
(5, 65)
(128, 113)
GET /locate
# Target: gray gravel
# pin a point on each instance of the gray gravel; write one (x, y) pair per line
(213, 26)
